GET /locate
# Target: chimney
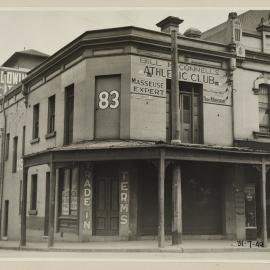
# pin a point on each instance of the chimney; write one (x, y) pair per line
(170, 23)
(193, 33)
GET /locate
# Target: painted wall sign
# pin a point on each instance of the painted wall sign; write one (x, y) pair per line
(13, 77)
(148, 77)
(87, 200)
(124, 198)
(108, 99)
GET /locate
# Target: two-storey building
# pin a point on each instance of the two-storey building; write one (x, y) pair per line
(94, 125)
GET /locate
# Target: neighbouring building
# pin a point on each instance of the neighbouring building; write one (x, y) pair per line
(89, 150)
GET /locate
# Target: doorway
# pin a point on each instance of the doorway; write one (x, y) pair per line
(106, 202)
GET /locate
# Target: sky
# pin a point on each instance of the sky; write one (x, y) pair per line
(49, 29)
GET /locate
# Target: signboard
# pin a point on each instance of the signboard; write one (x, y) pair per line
(149, 76)
(87, 199)
(10, 77)
(124, 198)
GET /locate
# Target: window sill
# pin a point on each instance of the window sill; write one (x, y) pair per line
(36, 140)
(258, 134)
(50, 135)
(32, 212)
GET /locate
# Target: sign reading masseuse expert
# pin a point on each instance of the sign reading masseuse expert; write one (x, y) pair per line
(149, 76)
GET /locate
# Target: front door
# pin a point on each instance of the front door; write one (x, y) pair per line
(106, 218)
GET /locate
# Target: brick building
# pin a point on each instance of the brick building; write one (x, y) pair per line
(95, 126)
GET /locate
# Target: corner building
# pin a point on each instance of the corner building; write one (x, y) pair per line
(88, 146)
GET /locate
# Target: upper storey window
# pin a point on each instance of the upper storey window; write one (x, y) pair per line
(264, 108)
(69, 111)
(36, 121)
(190, 112)
(51, 114)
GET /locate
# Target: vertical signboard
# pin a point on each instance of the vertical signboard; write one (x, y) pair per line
(10, 77)
(86, 187)
(124, 204)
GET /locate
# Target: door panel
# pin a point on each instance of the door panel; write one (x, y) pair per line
(106, 206)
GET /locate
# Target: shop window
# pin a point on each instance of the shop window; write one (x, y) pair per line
(68, 188)
(51, 114)
(15, 154)
(190, 112)
(7, 147)
(69, 110)
(36, 121)
(33, 195)
(264, 108)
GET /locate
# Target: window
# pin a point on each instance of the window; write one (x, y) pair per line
(20, 198)
(69, 108)
(36, 121)
(15, 154)
(23, 140)
(7, 146)
(51, 114)
(190, 112)
(68, 188)
(33, 198)
(264, 108)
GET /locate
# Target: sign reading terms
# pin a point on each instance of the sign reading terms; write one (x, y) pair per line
(124, 198)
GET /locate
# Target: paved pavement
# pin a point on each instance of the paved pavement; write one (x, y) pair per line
(188, 246)
(11, 260)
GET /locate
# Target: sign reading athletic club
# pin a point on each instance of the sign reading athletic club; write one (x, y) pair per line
(148, 77)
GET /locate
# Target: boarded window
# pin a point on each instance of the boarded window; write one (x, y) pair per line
(107, 118)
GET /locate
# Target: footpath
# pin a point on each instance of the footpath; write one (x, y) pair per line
(188, 246)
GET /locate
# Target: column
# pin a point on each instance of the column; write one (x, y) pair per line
(24, 207)
(161, 176)
(52, 204)
(176, 205)
(263, 204)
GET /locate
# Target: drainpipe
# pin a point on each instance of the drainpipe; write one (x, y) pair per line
(230, 81)
(3, 141)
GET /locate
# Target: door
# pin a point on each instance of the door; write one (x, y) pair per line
(106, 206)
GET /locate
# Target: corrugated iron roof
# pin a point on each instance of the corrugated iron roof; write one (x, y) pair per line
(109, 144)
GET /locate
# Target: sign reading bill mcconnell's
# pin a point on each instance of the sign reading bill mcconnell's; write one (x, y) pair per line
(149, 76)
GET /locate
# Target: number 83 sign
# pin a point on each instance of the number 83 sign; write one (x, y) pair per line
(108, 99)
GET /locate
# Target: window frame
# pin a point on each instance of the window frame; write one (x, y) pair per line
(33, 194)
(51, 115)
(15, 154)
(267, 109)
(69, 114)
(36, 109)
(7, 146)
